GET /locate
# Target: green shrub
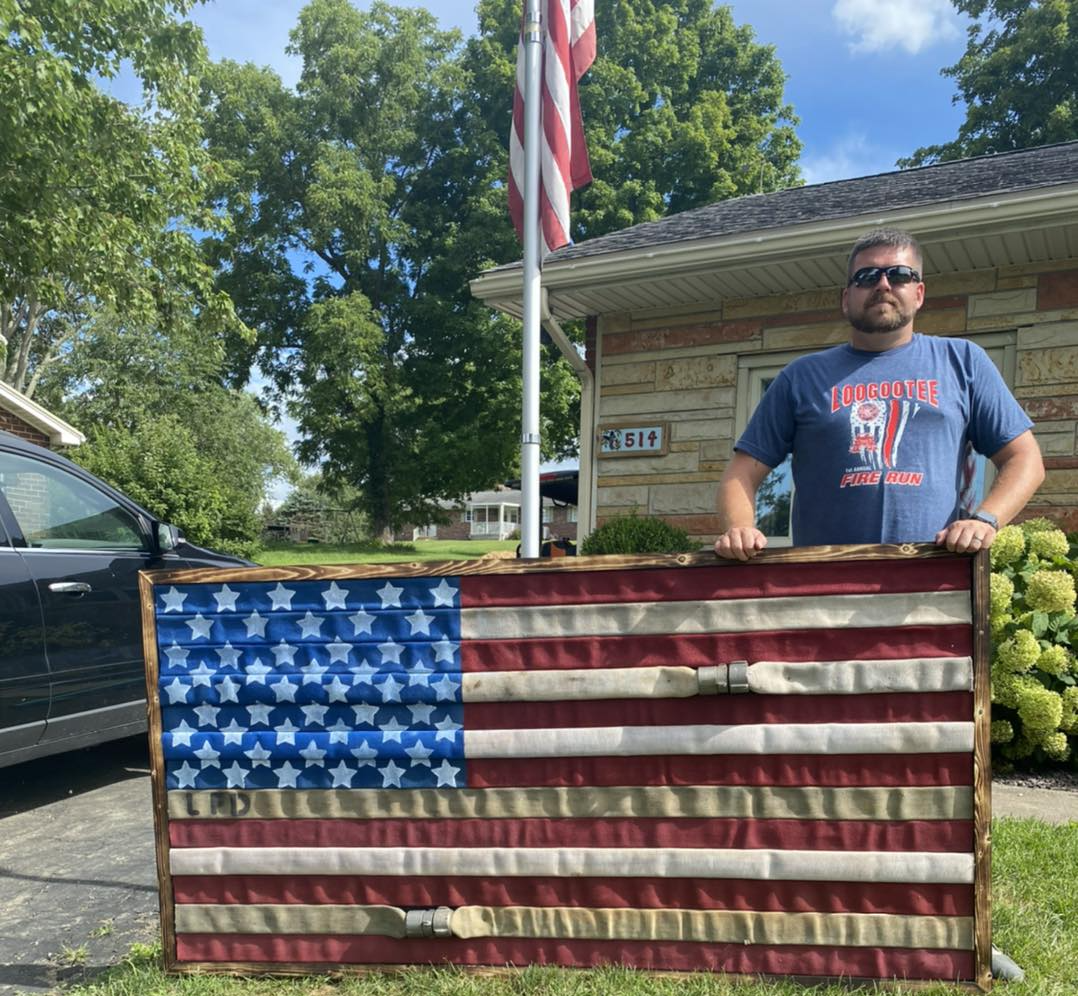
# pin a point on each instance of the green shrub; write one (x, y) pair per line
(637, 534)
(1034, 635)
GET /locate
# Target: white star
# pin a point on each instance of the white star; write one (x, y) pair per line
(182, 734)
(335, 597)
(446, 728)
(443, 651)
(233, 733)
(236, 776)
(364, 668)
(313, 755)
(314, 715)
(259, 755)
(361, 622)
(446, 774)
(342, 776)
(391, 689)
(173, 600)
(287, 775)
(284, 654)
(227, 689)
(338, 650)
(201, 675)
(177, 656)
(185, 776)
(365, 713)
(313, 671)
(338, 732)
(337, 690)
(419, 673)
(419, 754)
(281, 598)
(286, 732)
(446, 688)
(391, 775)
(256, 672)
(390, 595)
(228, 655)
(177, 691)
(256, 624)
(284, 690)
(420, 622)
(207, 715)
(391, 652)
(259, 714)
(226, 599)
(421, 712)
(208, 756)
(366, 754)
(200, 627)
(392, 730)
(311, 625)
(444, 594)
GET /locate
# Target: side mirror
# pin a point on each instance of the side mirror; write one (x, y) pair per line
(168, 537)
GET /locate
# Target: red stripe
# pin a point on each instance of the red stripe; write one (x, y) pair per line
(836, 770)
(739, 959)
(888, 443)
(702, 649)
(822, 835)
(719, 582)
(614, 893)
(904, 707)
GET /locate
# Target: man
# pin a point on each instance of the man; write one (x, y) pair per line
(880, 428)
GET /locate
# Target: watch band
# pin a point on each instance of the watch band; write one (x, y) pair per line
(982, 516)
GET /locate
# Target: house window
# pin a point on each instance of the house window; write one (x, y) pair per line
(570, 514)
(548, 513)
(466, 515)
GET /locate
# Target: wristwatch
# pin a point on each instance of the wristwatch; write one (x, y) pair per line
(982, 516)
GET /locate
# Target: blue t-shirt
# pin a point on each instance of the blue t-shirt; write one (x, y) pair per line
(879, 440)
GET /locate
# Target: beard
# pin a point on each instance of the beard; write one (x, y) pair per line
(881, 322)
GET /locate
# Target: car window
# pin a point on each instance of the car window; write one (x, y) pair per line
(55, 509)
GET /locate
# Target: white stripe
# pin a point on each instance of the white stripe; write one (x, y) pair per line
(813, 866)
(737, 615)
(582, 16)
(785, 738)
(923, 674)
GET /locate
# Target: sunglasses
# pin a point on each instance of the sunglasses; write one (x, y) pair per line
(869, 276)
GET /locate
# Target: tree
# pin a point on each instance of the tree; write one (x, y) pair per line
(682, 108)
(96, 197)
(1018, 78)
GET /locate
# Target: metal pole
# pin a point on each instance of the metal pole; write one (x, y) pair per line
(529, 449)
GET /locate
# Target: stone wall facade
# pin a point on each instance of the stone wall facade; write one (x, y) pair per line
(690, 370)
(10, 422)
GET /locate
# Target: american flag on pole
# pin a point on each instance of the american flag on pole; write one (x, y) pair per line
(763, 768)
(568, 50)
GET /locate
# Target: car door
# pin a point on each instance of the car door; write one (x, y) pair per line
(24, 673)
(84, 550)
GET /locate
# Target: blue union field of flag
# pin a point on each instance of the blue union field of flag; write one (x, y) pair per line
(671, 764)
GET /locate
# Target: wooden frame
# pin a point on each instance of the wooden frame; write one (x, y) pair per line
(877, 555)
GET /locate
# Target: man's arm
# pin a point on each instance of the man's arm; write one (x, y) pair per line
(740, 539)
(1020, 471)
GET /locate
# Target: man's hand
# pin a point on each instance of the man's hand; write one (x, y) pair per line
(740, 543)
(966, 535)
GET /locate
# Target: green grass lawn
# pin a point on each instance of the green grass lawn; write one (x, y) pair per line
(286, 554)
(1035, 918)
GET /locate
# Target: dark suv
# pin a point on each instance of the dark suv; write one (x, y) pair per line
(71, 547)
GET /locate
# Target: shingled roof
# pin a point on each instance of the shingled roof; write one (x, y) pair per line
(961, 179)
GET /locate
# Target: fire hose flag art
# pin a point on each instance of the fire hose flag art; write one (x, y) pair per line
(692, 765)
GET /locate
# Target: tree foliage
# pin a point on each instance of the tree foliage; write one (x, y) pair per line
(95, 195)
(1018, 78)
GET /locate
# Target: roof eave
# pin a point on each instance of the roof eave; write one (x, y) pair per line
(60, 433)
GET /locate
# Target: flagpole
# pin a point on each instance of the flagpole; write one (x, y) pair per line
(529, 449)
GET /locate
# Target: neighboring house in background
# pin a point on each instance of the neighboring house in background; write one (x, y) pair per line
(28, 420)
(690, 318)
(496, 515)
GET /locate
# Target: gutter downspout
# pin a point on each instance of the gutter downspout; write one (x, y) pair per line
(587, 416)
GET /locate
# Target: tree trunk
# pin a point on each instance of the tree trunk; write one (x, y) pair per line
(379, 498)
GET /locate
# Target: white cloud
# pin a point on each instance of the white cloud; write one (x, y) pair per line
(879, 27)
(850, 156)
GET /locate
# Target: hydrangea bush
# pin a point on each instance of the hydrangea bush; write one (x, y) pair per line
(1034, 636)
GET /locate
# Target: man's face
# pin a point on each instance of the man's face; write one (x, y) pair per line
(883, 312)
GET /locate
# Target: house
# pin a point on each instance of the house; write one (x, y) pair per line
(690, 317)
(496, 515)
(25, 418)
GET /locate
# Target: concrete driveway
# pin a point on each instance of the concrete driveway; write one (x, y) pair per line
(78, 883)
